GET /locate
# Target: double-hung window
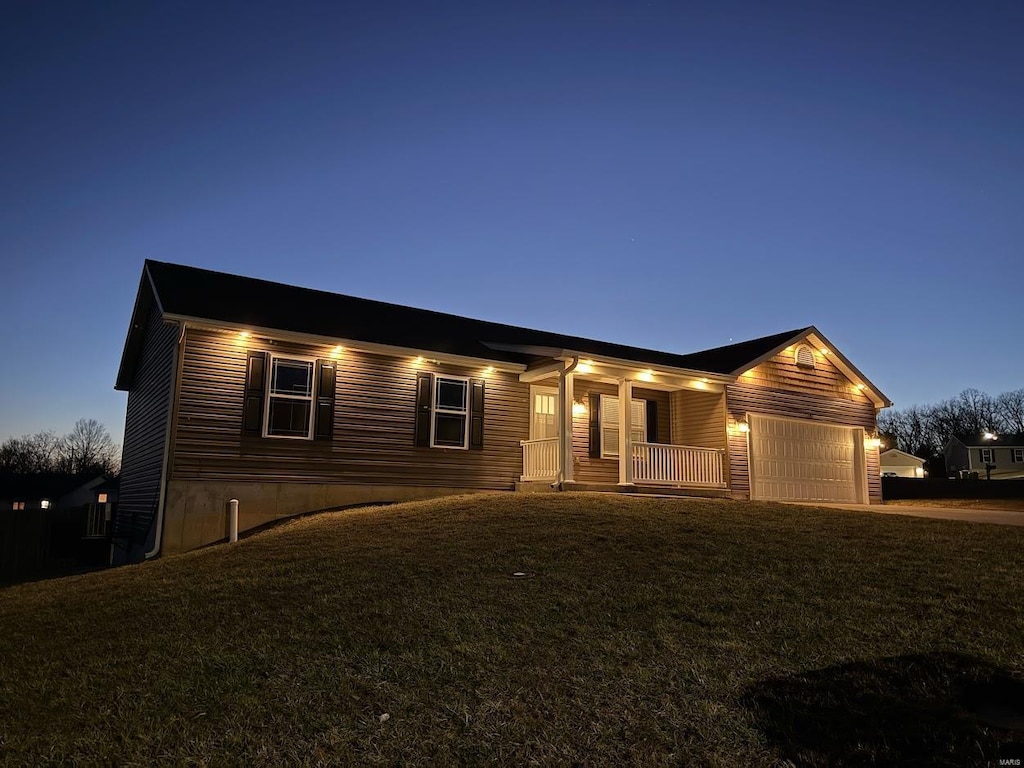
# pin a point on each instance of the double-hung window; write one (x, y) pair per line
(18, 506)
(988, 455)
(1017, 455)
(610, 424)
(450, 406)
(290, 398)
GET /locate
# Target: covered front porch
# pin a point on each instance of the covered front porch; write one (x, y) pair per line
(673, 435)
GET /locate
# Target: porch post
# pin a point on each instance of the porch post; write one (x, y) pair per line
(565, 387)
(625, 432)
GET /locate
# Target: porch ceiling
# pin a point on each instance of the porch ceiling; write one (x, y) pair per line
(614, 371)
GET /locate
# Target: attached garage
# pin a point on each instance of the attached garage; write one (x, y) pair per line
(804, 460)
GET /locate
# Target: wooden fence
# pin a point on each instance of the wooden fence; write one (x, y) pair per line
(40, 543)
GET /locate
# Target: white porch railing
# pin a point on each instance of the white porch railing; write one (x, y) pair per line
(677, 465)
(540, 459)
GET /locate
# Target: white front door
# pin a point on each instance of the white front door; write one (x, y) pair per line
(543, 413)
(800, 460)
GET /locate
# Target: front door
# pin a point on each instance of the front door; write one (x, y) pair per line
(543, 413)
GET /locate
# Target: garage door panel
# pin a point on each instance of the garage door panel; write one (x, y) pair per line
(797, 460)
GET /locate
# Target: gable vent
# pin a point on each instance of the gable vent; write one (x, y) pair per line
(804, 356)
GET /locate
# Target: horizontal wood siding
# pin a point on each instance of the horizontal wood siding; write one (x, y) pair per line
(698, 419)
(145, 431)
(588, 470)
(825, 379)
(744, 398)
(374, 422)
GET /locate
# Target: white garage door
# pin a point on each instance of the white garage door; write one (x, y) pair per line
(794, 460)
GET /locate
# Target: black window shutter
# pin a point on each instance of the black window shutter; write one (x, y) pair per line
(424, 382)
(981, 454)
(595, 425)
(476, 415)
(255, 384)
(326, 377)
(652, 421)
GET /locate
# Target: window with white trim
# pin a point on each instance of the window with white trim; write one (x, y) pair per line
(988, 455)
(1018, 455)
(804, 356)
(449, 426)
(44, 504)
(543, 413)
(289, 399)
(610, 424)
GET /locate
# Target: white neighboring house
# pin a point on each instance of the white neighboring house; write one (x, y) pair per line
(900, 463)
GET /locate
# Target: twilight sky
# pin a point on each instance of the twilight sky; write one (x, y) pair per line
(672, 175)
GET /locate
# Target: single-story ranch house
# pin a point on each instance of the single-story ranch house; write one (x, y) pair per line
(293, 400)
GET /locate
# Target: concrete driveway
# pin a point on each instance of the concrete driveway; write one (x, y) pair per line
(995, 516)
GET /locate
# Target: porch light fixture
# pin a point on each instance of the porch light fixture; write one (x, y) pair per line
(585, 366)
(419, 360)
(743, 426)
(243, 335)
(336, 352)
(489, 369)
(578, 408)
(647, 375)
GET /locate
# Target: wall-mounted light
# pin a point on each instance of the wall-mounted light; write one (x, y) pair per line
(578, 408)
(824, 351)
(418, 360)
(743, 426)
(872, 443)
(991, 436)
(336, 352)
(647, 375)
(489, 369)
(243, 335)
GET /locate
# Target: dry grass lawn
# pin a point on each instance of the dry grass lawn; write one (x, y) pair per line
(648, 632)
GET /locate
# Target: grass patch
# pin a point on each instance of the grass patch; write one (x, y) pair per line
(652, 631)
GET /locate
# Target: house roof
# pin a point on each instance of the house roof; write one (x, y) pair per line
(892, 456)
(44, 486)
(977, 440)
(192, 294)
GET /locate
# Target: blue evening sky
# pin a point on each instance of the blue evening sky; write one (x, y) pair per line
(673, 175)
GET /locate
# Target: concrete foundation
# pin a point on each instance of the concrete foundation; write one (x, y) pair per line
(196, 511)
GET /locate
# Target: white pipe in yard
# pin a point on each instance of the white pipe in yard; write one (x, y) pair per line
(233, 521)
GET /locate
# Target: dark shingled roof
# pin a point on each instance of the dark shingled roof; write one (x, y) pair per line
(978, 440)
(245, 301)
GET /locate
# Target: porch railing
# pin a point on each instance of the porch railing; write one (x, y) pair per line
(677, 465)
(540, 459)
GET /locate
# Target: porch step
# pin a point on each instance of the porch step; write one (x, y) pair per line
(535, 486)
(652, 490)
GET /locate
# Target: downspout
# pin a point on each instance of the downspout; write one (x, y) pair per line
(171, 407)
(564, 435)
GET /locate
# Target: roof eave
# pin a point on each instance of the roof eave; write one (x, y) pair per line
(145, 299)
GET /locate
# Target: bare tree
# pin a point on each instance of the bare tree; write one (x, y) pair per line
(1010, 406)
(88, 448)
(30, 454)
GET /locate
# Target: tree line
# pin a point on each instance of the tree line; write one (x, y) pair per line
(87, 449)
(924, 429)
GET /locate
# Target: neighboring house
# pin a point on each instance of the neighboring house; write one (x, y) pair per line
(293, 400)
(899, 463)
(971, 453)
(50, 491)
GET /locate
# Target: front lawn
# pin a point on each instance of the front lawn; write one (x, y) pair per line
(645, 631)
